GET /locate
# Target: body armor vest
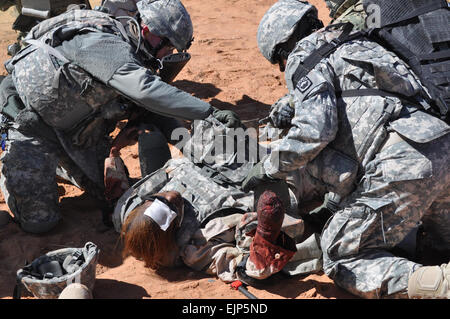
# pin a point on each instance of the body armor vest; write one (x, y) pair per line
(65, 96)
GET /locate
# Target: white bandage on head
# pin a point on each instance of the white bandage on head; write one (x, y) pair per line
(161, 214)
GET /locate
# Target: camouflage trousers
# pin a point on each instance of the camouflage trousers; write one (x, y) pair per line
(30, 166)
(406, 184)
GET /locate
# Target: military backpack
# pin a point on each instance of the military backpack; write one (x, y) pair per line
(418, 31)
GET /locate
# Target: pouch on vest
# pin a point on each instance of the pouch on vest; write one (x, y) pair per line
(336, 170)
(10, 102)
(420, 127)
(12, 107)
(63, 94)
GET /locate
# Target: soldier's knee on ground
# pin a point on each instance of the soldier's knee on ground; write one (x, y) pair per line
(38, 221)
(430, 282)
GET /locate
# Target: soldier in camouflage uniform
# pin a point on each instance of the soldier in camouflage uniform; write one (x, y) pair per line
(81, 74)
(342, 11)
(400, 152)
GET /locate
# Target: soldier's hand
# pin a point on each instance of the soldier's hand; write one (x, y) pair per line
(227, 117)
(282, 112)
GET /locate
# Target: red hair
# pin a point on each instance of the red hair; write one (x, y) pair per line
(144, 240)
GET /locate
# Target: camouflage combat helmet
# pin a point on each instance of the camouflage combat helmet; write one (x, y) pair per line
(279, 23)
(48, 275)
(168, 19)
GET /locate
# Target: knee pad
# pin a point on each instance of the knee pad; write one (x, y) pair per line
(430, 282)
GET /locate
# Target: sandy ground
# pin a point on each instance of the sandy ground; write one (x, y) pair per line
(227, 70)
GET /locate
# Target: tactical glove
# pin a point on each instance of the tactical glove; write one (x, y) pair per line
(282, 112)
(320, 215)
(256, 177)
(227, 117)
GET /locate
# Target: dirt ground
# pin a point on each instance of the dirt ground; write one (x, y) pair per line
(227, 70)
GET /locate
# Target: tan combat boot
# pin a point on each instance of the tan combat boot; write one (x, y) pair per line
(430, 282)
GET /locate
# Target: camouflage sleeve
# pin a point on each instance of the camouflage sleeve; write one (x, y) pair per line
(149, 91)
(314, 125)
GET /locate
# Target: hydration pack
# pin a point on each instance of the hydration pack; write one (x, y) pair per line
(418, 31)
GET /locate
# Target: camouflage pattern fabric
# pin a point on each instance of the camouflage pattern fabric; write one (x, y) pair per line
(29, 190)
(405, 185)
(334, 5)
(181, 175)
(207, 240)
(33, 76)
(272, 30)
(76, 105)
(119, 8)
(219, 223)
(79, 111)
(57, 7)
(224, 242)
(398, 184)
(351, 11)
(6, 4)
(30, 166)
(51, 288)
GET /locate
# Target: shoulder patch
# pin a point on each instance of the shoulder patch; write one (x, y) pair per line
(304, 84)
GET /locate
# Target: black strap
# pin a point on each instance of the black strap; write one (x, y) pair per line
(325, 50)
(27, 270)
(419, 11)
(376, 92)
(385, 39)
(439, 110)
(435, 55)
(17, 293)
(215, 175)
